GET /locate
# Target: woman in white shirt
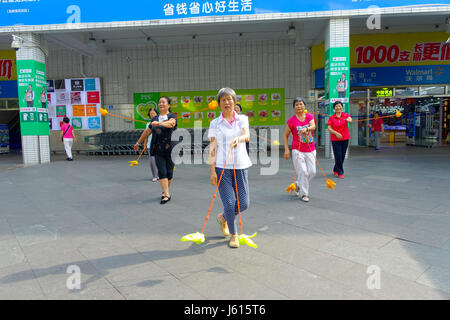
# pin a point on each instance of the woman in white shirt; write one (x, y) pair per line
(228, 132)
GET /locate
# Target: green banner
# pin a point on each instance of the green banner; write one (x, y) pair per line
(337, 77)
(32, 92)
(264, 107)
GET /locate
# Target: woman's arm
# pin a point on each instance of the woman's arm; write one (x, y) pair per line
(332, 131)
(166, 124)
(287, 132)
(143, 137)
(245, 137)
(212, 161)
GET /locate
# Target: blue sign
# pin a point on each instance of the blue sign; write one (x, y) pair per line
(410, 124)
(43, 12)
(94, 123)
(89, 85)
(8, 89)
(393, 76)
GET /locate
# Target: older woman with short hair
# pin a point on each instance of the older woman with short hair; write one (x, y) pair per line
(228, 133)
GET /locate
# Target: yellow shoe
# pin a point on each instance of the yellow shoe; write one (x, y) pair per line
(223, 225)
(234, 241)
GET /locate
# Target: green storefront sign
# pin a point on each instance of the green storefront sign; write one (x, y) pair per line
(337, 77)
(264, 107)
(31, 78)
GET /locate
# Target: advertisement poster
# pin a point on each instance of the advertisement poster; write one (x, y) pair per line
(77, 99)
(31, 78)
(337, 74)
(392, 59)
(264, 107)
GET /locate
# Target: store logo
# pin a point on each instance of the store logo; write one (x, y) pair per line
(438, 71)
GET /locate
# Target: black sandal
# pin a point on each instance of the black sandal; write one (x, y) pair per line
(165, 201)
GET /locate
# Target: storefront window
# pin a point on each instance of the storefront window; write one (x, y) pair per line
(407, 92)
(432, 91)
(13, 104)
(358, 94)
(2, 104)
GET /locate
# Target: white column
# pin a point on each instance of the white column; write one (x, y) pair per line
(36, 149)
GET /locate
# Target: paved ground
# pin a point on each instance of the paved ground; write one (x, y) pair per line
(390, 214)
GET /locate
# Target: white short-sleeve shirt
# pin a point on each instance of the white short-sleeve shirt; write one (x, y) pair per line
(224, 132)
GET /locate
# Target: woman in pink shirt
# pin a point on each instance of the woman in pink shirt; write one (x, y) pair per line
(340, 135)
(301, 125)
(67, 136)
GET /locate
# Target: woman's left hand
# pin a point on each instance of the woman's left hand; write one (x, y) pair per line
(155, 124)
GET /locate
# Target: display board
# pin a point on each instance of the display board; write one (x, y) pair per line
(47, 12)
(264, 107)
(78, 99)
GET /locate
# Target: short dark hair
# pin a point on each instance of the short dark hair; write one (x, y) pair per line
(66, 120)
(336, 103)
(167, 98)
(154, 109)
(298, 99)
(240, 107)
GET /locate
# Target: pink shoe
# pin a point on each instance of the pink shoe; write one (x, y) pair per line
(341, 176)
(335, 173)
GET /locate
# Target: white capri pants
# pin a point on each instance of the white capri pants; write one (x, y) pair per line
(305, 164)
(68, 142)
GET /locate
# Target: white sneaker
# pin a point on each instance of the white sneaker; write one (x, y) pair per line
(297, 190)
(155, 179)
(305, 198)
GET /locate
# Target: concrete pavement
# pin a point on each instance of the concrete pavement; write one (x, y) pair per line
(383, 233)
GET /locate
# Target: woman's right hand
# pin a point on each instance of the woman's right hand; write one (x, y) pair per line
(213, 178)
(338, 135)
(286, 154)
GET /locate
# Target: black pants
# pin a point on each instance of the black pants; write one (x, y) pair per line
(165, 166)
(339, 151)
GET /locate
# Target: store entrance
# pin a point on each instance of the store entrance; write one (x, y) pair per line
(425, 121)
(10, 119)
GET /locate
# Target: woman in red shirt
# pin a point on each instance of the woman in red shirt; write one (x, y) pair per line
(377, 129)
(340, 135)
(301, 125)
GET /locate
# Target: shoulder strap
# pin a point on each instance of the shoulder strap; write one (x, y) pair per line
(66, 131)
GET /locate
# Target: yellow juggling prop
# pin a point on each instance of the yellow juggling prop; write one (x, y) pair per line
(398, 114)
(291, 188)
(330, 184)
(213, 105)
(136, 162)
(243, 238)
(195, 237)
(103, 112)
(199, 237)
